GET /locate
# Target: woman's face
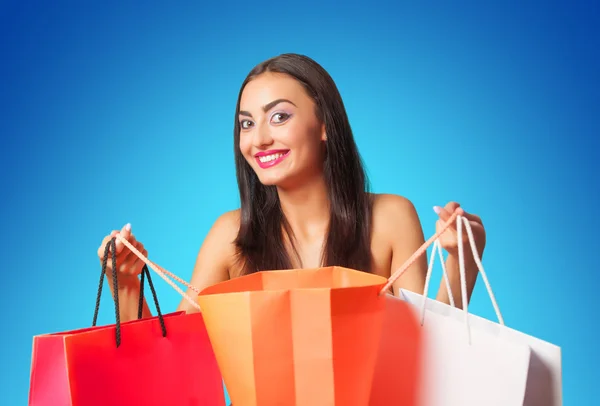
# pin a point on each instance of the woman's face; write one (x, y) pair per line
(280, 134)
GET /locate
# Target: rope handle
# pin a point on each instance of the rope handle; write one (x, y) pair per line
(461, 266)
(456, 216)
(477, 259)
(436, 247)
(145, 273)
(461, 221)
(163, 273)
(422, 249)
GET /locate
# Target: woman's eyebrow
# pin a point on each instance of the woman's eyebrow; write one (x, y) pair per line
(267, 106)
(274, 103)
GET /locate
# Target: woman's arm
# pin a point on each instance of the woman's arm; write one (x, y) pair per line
(212, 265)
(404, 230)
(215, 257)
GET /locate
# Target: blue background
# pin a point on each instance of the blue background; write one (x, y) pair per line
(114, 113)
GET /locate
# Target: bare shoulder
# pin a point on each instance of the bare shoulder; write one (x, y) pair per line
(227, 223)
(224, 231)
(217, 253)
(397, 234)
(395, 221)
(391, 211)
(219, 245)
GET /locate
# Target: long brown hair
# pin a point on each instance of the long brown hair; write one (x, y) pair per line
(260, 240)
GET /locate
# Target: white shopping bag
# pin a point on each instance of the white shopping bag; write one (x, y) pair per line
(471, 361)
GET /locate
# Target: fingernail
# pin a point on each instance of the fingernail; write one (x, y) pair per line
(437, 209)
(128, 227)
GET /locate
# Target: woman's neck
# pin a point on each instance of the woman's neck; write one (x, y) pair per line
(306, 208)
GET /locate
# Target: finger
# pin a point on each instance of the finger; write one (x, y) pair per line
(451, 207)
(126, 254)
(125, 233)
(132, 265)
(454, 207)
(472, 217)
(137, 245)
(105, 241)
(133, 241)
(476, 226)
(445, 215)
(122, 261)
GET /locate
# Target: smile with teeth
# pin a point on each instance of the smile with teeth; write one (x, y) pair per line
(269, 158)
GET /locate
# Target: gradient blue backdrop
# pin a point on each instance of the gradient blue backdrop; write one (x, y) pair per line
(114, 113)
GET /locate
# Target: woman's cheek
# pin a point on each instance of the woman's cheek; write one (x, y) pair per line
(245, 146)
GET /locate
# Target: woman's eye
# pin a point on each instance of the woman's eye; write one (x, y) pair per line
(245, 124)
(279, 118)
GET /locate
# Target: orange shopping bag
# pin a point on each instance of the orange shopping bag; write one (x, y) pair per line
(310, 337)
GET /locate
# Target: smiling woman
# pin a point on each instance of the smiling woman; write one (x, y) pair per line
(309, 206)
(304, 196)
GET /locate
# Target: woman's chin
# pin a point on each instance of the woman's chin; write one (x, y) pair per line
(270, 181)
(277, 181)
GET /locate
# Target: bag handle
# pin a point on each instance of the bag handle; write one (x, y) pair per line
(437, 247)
(461, 266)
(163, 274)
(456, 216)
(461, 262)
(145, 273)
(422, 249)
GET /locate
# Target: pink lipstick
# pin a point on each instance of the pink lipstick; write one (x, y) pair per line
(270, 158)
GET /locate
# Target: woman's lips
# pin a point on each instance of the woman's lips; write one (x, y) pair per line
(268, 159)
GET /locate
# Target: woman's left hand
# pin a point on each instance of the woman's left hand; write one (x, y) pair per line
(449, 240)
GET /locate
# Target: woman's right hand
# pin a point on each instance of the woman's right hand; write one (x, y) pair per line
(128, 264)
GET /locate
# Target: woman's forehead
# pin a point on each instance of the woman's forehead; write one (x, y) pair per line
(268, 87)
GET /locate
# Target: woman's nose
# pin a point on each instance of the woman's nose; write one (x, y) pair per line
(262, 136)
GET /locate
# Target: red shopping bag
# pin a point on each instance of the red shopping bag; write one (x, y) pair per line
(163, 360)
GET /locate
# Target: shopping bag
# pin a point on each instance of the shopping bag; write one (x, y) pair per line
(469, 360)
(310, 337)
(163, 360)
(323, 336)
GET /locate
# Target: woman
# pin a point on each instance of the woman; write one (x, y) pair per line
(304, 197)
